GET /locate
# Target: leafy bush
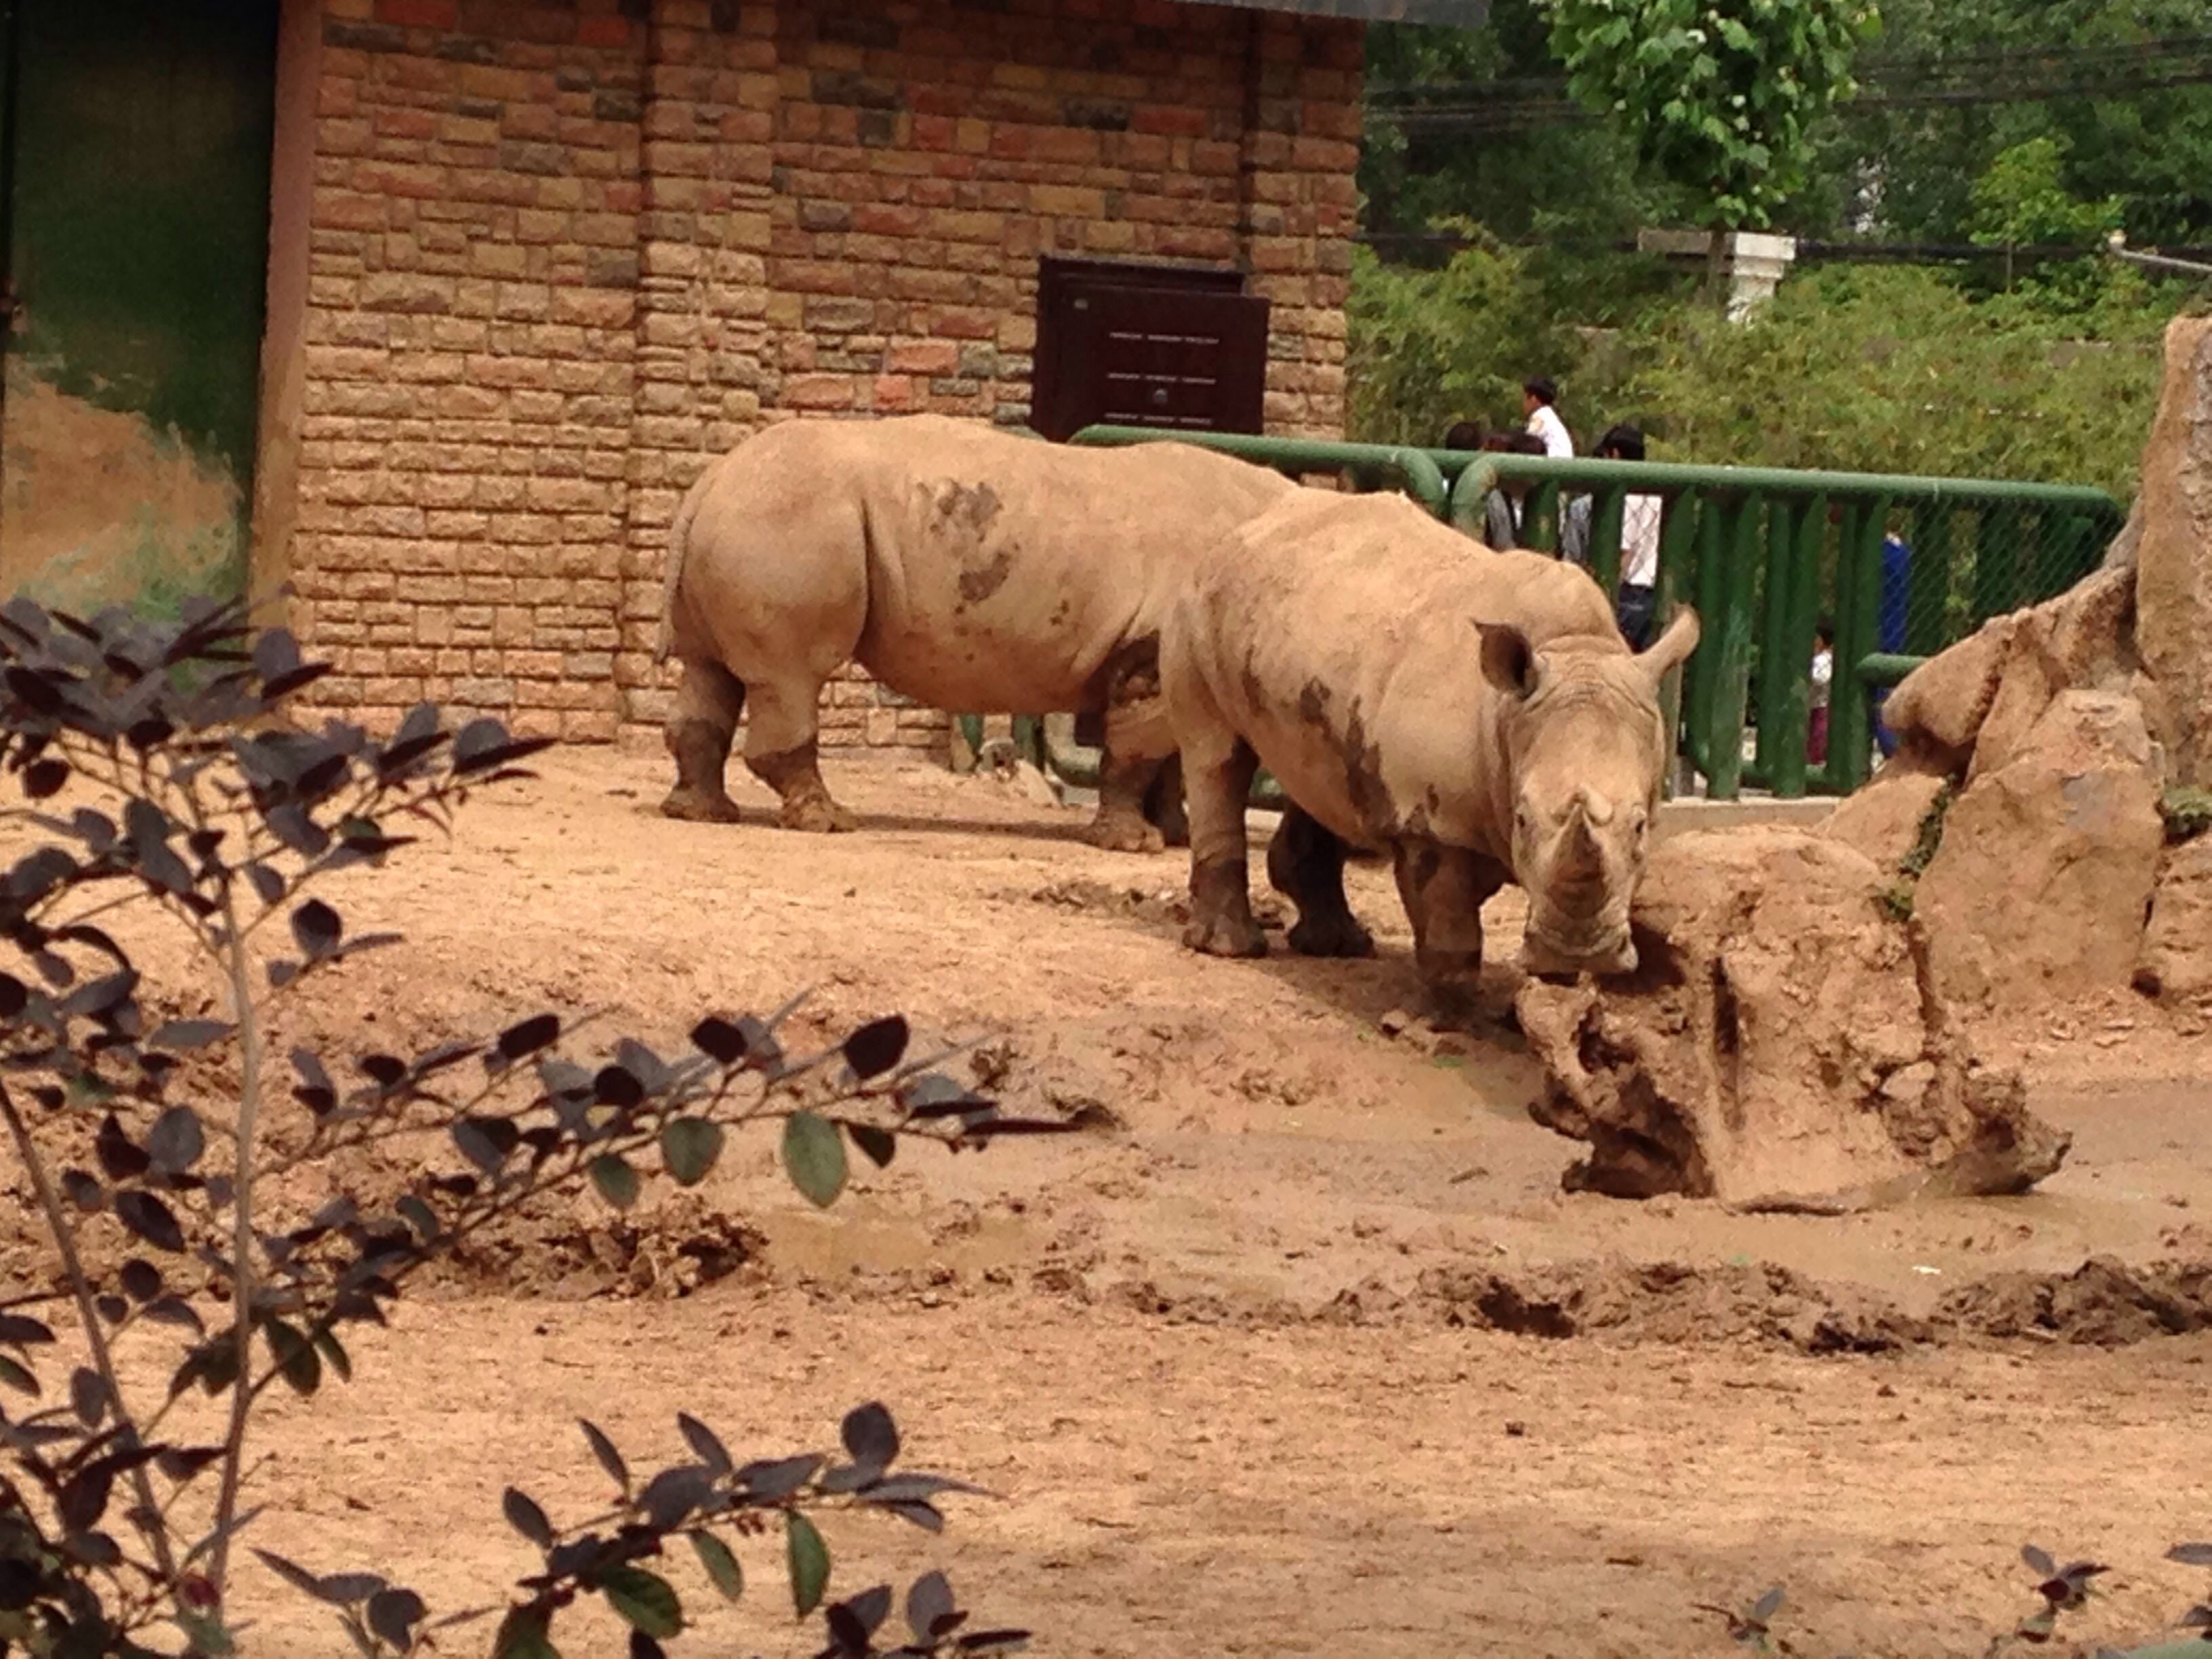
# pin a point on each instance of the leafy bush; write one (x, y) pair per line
(217, 810)
(1873, 369)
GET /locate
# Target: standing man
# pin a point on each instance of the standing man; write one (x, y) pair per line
(1636, 602)
(1537, 394)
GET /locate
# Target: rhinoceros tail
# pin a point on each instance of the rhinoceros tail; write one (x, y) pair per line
(679, 536)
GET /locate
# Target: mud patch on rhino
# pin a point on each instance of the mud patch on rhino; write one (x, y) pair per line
(979, 582)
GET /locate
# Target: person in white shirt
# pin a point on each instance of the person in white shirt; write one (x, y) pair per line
(1537, 394)
(1635, 601)
(1824, 677)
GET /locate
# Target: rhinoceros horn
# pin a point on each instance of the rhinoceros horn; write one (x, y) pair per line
(1580, 859)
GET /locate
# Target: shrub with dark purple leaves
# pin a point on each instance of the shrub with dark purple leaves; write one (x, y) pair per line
(166, 769)
(2059, 1591)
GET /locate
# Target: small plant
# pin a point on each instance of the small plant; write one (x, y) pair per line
(2063, 1589)
(2187, 812)
(1897, 898)
(1750, 1627)
(155, 1130)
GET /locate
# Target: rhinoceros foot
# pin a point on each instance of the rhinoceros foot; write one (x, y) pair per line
(1122, 832)
(699, 805)
(1331, 936)
(1225, 936)
(816, 815)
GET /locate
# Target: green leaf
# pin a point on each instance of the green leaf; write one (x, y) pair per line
(645, 1599)
(522, 1636)
(690, 1147)
(206, 1633)
(617, 1181)
(721, 1565)
(16, 1377)
(295, 1356)
(814, 1158)
(810, 1562)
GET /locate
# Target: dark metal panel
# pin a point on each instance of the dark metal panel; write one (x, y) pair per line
(1179, 353)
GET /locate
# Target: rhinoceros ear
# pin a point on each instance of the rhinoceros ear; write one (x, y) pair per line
(1672, 648)
(1509, 661)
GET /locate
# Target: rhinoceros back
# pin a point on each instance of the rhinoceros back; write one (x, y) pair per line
(990, 572)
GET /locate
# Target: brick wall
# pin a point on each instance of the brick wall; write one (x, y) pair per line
(562, 250)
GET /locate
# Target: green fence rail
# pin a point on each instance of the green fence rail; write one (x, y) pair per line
(1901, 566)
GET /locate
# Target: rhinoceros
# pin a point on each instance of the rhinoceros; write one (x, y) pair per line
(963, 568)
(1475, 715)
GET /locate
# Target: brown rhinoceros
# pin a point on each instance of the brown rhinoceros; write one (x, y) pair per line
(1475, 714)
(964, 567)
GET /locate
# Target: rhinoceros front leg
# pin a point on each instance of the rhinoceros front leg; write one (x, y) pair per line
(783, 751)
(1444, 889)
(1305, 864)
(1216, 781)
(702, 724)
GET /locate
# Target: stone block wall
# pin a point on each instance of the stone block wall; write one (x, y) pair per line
(562, 252)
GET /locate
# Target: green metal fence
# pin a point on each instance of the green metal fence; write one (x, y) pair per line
(1901, 566)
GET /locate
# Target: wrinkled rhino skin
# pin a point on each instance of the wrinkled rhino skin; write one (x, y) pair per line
(963, 568)
(1474, 715)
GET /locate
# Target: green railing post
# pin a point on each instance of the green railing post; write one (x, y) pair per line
(1999, 553)
(1927, 625)
(1858, 630)
(1773, 668)
(1678, 527)
(1539, 518)
(1704, 663)
(1801, 615)
(1607, 507)
(1732, 669)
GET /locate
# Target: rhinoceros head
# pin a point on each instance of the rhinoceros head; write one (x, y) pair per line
(1586, 750)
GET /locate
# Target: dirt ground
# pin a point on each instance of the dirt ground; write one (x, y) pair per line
(1303, 1350)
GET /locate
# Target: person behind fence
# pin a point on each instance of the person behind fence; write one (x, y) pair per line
(1464, 435)
(1538, 395)
(1823, 675)
(1636, 602)
(1501, 510)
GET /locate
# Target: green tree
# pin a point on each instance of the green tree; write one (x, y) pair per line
(1720, 96)
(2133, 117)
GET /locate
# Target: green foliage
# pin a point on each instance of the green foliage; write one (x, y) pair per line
(1876, 369)
(217, 809)
(1908, 169)
(2022, 199)
(1719, 99)
(1430, 347)
(2187, 812)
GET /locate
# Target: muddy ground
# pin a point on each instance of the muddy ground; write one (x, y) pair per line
(1301, 1350)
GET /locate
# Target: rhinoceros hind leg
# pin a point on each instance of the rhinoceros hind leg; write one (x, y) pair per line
(1305, 864)
(795, 775)
(782, 749)
(700, 729)
(1164, 807)
(1221, 921)
(1120, 825)
(1134, 740)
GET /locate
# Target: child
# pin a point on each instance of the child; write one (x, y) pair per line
(1823, 674)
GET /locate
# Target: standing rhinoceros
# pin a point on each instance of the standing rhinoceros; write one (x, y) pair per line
(1475, 714)
(964, 567)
